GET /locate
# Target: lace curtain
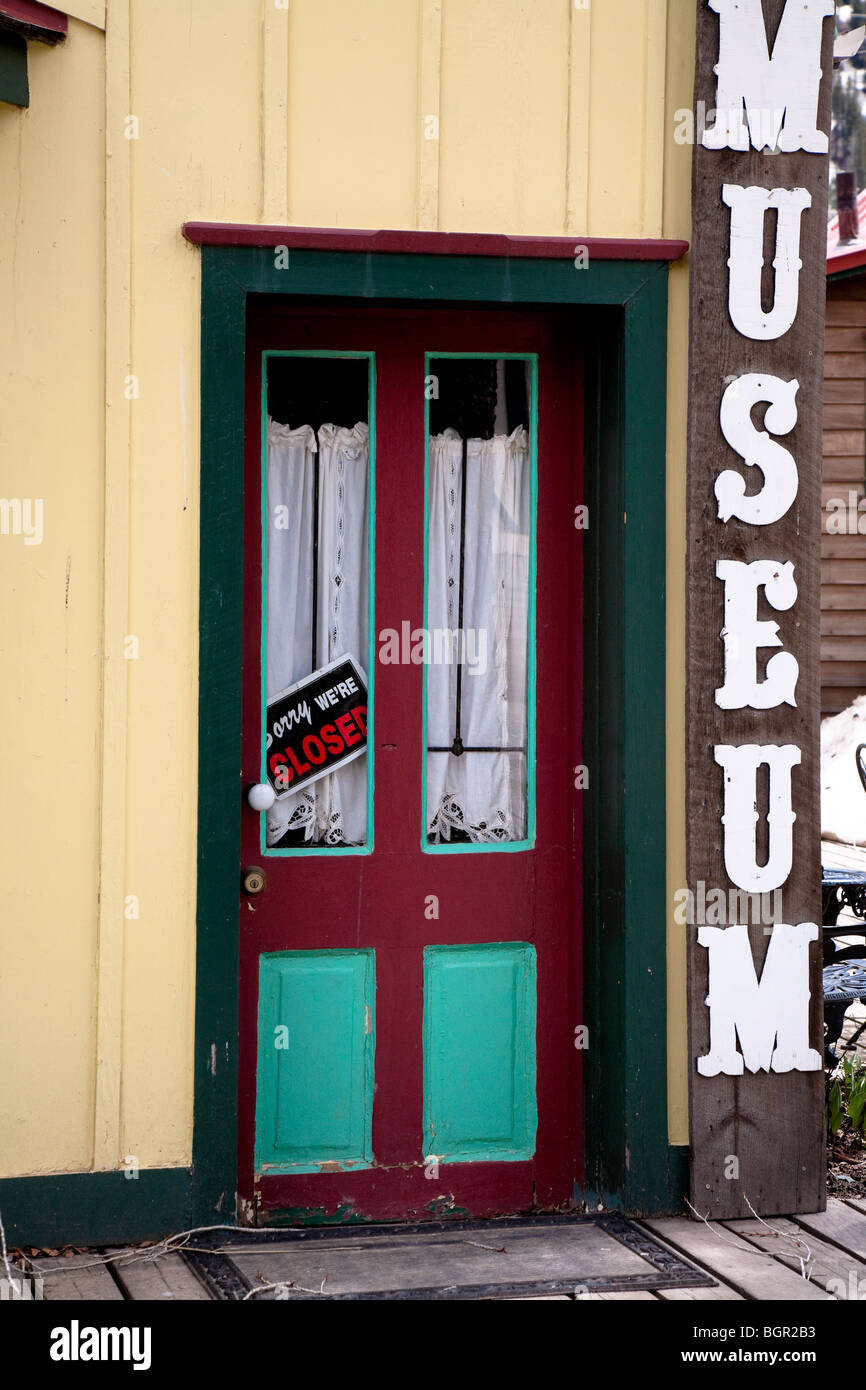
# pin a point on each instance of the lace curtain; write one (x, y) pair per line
(479, 796)
(333, 810)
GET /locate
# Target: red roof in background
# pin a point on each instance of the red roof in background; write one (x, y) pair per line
(852, 255)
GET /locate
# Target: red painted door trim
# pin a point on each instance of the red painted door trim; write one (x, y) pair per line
(35, 20)
(435, 243)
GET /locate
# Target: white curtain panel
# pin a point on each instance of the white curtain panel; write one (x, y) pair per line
(334, 809)
(483, 795)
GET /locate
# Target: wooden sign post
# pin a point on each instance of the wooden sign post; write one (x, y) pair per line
(762, 91)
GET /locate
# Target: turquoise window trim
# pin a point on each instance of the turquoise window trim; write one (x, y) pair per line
(528, 843)
(296, 852)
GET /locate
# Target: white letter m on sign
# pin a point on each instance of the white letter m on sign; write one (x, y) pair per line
(771, 1018)
(780, 92)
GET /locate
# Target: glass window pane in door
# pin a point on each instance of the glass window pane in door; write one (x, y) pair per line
(316, 599)
(480, 556)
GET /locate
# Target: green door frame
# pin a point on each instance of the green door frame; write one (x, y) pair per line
(623, 292)
(625, 909)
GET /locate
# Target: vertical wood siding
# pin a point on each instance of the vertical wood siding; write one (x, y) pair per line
(843, 556)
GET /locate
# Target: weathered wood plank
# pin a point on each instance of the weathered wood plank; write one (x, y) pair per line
(771, 1122)
(721, 1293)
(79, 1278)
(727, 1256)
(842, 546)
(845, 575)
(850, 470)
(535, 1298)
(843, 597)
(844, 364)
(845, 569)
(168, 1277)
(855, 288)
(842, 312)
(843, 623)
(844, 675)
(638, 1296)
(843, 417)
(843, 648)
(846, 391)
(840, 1224)
(836, 443)
(848, 339)
(840, 505)
(826, 1264)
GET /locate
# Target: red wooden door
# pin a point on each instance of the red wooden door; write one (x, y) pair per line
(409, 1002)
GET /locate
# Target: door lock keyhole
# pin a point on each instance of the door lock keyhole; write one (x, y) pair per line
(254, 881)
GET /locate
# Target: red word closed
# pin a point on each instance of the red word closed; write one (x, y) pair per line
(318, 748)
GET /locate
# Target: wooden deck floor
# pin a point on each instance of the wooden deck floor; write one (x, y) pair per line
(804, 1258)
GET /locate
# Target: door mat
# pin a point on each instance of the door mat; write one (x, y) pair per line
(459, 1259)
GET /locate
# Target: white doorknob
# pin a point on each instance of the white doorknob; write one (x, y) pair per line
(261, 796)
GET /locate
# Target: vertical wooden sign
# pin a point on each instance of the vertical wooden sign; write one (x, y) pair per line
(753, 906)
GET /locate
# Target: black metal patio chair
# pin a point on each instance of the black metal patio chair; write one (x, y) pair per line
(844, 966)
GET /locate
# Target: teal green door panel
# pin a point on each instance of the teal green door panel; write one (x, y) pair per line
(316, 1045)
(479, 1052)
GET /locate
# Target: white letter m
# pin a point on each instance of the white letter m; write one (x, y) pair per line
(772, 1012)
(780, 93)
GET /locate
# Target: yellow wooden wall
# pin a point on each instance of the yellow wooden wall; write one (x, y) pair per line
(520, 116)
